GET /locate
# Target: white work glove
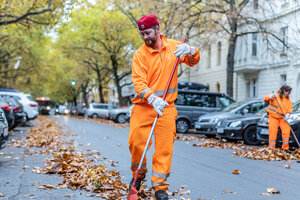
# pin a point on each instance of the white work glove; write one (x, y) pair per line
(272, 95)
(184, 49)
(157, 103)
(286, 117)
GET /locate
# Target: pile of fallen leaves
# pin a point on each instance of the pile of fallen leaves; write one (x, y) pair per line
(78, 173)
(76, 168)
(264, 153)
(218, 144)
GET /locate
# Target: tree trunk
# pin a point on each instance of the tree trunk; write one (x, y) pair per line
(100, 87)
(117, 80)
(230, 65)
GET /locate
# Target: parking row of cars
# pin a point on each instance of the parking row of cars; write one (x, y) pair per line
(17, 108)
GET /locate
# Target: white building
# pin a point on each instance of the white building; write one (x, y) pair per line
(262, 63)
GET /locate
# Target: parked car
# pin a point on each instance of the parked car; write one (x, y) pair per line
(17, 110)
(207, 123)
(183, 85)
(6, 107)
(100, 110)
(240, 128)
(118, 115)
(3, 129)
(80, 110)
(192, 104)
(128, 114)
(30, 106)
(263, 127)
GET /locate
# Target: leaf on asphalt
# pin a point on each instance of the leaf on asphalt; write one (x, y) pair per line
(106, 137)
(70, 195)
(272, 191)
(235, 171)
(2, 195)
(228, 191)
(287, 166)
(47, 186)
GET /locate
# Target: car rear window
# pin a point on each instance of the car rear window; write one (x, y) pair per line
(29, 98)
(194, 99)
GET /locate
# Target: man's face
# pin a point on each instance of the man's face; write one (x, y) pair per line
(149, 36)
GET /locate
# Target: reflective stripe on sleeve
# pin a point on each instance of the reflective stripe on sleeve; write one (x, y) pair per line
(144, 92)
(273, 105)
(170, 91)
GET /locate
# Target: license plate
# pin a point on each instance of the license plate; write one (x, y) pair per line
(264, 131)
(197, 126)
(220, 130)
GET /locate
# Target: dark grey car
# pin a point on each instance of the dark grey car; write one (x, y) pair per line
(3, 129)
(207, 123)
(118, 115)
(191, 104)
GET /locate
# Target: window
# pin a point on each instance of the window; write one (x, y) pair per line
(254, 45)
(283, 79)
(255, 4)
(195, 99)
(284, 33)
(218, 87)
(252, 88)
(224, 102)
(255, 107)
(219, 53)
(208, 57)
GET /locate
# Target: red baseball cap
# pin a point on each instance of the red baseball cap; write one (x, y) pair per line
(148, 21)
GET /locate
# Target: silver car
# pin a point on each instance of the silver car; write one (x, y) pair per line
(119, 114)
(100, 110)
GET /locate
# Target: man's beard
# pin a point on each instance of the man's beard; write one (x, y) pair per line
(151, 41)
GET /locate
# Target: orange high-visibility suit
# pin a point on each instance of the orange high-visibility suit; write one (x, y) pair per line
(276, 117)
(151, 70)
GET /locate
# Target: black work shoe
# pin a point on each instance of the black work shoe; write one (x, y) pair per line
(138, 183)
(161, 195)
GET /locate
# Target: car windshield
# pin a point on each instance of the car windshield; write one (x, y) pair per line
(232, 106)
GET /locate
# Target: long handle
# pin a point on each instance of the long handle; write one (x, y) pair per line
(156, 118)
(288, 123)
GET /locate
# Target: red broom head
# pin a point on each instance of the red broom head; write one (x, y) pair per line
(133, 193)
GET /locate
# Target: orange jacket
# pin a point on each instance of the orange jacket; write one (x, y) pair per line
(274, 109)
(152, 68)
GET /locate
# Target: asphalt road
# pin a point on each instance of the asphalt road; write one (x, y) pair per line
(207, 173)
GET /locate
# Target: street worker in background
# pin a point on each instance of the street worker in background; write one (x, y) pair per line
(151, 68)
(278, 116)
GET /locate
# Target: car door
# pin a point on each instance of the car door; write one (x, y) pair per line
(101, 110)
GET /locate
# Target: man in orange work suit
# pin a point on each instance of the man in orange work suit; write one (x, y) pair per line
(278, 116)
(151, 68)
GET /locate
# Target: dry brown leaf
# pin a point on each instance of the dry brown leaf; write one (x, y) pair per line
(272, 191)
(287, 166)
(2, 195)
(235, 171)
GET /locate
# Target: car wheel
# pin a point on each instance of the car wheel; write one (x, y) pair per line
(249, 136)
(182, 125)
(121, 118)
(94, 116)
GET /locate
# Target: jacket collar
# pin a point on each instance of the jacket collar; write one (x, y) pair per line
(164, 45)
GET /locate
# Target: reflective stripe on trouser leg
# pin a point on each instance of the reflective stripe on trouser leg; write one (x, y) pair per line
(141, 121)
(165, 132)
(285, 132)
(273, 129)
(143, 171)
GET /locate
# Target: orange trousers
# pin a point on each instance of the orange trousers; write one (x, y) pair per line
(141, 121)
(273, 129)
